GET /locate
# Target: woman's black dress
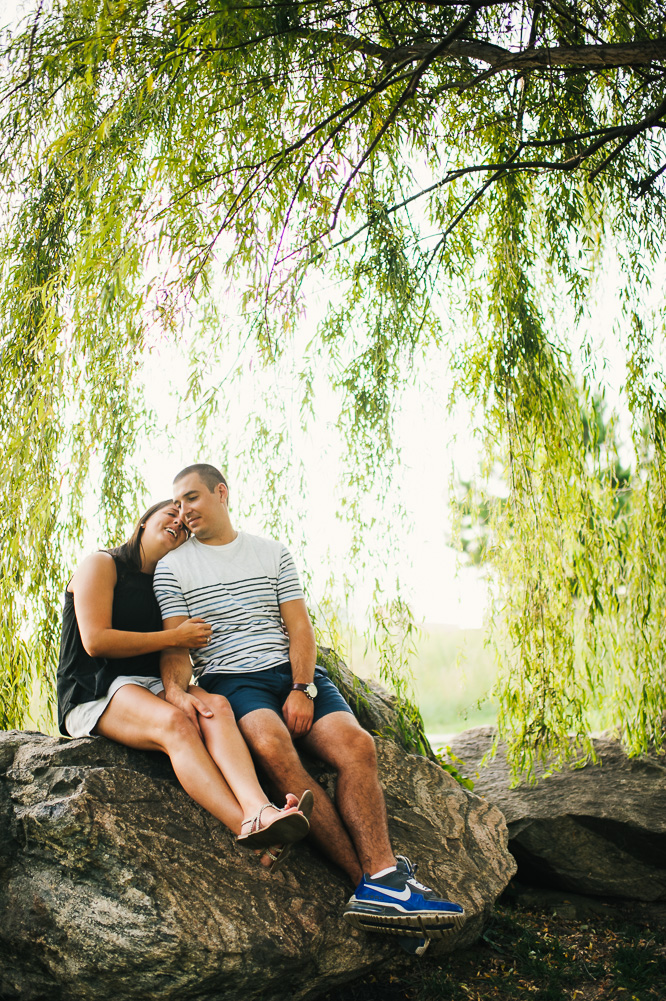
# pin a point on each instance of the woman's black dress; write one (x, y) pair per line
(82, 678)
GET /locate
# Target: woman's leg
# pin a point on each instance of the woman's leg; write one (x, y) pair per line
(226, 746)
(139, 719)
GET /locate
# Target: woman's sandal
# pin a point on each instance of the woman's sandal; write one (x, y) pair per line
(285, 829)
(277, 855)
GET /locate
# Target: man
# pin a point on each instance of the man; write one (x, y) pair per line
(261, 657)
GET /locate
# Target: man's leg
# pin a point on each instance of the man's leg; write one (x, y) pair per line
(340, 741)
(392, 901)
(389, 898)
(272, 746)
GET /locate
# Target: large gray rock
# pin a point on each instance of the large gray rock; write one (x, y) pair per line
(598, 830)
(116, 885)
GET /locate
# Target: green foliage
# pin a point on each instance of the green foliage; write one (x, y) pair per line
(450, 763)
(637, 964)
(421, 155)
(575, 636)
(393, 652)
(533, 951)
(393, 639)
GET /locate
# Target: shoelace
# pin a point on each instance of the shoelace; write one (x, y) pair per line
(415, 883)
(411, 877)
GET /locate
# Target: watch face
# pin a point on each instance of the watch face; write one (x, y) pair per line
(311, 690)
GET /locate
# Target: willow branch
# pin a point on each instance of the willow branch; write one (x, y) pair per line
(604, 56)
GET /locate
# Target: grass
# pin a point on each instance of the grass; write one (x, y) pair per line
(453, 674)
(619, 955)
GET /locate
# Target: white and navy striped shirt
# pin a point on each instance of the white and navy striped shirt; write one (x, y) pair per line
(238, 589)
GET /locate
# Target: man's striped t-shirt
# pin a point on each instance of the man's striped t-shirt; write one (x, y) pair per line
(238, 589)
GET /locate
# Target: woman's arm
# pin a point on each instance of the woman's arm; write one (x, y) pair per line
(93, 585)
(176, 671)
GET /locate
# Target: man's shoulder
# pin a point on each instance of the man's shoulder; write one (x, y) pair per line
(267, 550)
(263, 542)
(178, 558)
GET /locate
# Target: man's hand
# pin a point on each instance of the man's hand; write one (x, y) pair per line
(298, 710)
(188, 704)
(176, 671)
(297, 713)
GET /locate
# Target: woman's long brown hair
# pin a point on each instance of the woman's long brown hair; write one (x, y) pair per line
(130, 552)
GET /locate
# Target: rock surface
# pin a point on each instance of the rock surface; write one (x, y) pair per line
(116, 885)
(599, 829)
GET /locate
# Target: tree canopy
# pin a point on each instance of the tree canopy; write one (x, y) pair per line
(460, 170)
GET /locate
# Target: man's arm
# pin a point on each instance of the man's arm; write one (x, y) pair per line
(176, 671)
(298, 709)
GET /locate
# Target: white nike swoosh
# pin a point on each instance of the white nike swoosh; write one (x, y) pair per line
(397, 894)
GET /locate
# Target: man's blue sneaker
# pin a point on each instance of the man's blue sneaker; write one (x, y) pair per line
(396, 904)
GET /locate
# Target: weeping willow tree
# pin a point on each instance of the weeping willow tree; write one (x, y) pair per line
(459, 171)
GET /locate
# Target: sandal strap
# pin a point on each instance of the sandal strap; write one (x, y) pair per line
(257, 818)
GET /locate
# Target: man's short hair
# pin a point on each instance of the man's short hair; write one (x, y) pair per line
(209, 474)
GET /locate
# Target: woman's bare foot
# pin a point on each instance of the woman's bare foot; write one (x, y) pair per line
(270, 857)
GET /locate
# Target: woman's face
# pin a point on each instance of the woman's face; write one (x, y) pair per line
(164, 530)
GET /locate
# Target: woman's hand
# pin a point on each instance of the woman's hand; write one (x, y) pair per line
(93, 587)
(192, 633)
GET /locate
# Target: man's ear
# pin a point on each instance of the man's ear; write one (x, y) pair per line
(223, 492)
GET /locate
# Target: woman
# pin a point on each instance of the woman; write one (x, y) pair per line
(109, 684)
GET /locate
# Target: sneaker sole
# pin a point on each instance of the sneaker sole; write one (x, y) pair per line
(429, 925)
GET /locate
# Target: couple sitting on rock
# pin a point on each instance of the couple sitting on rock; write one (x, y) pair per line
(187, 593)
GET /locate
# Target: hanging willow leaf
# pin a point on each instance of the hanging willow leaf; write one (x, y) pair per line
(420, 153)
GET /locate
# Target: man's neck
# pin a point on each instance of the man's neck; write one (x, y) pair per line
(221, 538)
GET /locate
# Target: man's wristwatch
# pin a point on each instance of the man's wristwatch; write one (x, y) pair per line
(310, 689)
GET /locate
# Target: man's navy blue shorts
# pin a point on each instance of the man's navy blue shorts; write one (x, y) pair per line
(269, 689)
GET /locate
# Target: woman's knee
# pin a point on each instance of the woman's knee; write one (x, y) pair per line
(175, 728)
(218, 704)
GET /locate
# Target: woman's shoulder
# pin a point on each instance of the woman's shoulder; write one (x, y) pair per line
(97, 568)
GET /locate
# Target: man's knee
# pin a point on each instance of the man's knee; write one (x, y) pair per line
(270, 742)
(346, 746)
(359, 747)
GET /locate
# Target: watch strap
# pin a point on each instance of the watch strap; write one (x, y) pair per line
(300, 686)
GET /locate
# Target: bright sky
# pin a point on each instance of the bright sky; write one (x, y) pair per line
(435, 445)
(432, 442)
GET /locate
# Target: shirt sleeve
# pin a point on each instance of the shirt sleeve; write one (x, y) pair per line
(288, 587)
(168, 592)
